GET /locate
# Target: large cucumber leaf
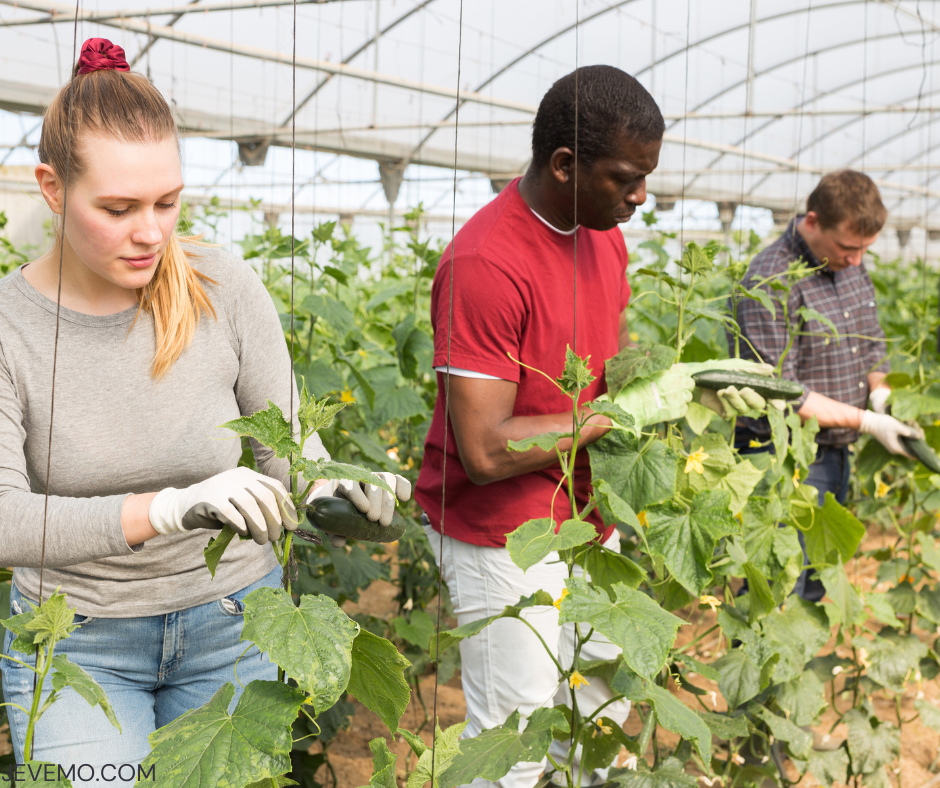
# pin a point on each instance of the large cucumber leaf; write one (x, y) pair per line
(378, 679)
(534, 540)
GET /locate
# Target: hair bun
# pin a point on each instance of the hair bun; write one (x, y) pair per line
(99, 54)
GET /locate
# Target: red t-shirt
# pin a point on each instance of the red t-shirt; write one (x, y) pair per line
(513, 278)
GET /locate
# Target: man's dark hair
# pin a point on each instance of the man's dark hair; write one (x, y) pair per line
(610, 103)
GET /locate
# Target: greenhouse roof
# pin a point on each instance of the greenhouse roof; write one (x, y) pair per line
(760, 96)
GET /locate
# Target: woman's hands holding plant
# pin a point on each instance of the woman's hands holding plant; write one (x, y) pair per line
(248, 502)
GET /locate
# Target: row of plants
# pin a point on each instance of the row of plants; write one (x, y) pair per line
(696, 519)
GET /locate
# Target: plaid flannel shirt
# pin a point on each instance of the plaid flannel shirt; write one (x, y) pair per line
(836, 367)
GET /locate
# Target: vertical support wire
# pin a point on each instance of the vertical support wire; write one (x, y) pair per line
(799, 135)
(450, 325)
(58, 314)
(574, 238)
(285, 579)
(685, 125)
(748, 111)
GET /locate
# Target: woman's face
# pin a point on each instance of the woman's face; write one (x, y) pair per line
(123, 208)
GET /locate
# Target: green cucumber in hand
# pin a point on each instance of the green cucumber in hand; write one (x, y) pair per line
(339, 516)
(767, 387)
(920, 450)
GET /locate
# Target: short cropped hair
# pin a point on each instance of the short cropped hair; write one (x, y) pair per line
(610, 103)
(848, 195)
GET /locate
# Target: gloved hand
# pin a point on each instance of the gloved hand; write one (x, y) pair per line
(242, 499)
(375, 503)
(663, 397)
(733, 402)
(887, 430)
(878, 399)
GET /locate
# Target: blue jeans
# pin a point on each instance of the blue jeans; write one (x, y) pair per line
(829, 473)
(153, 669)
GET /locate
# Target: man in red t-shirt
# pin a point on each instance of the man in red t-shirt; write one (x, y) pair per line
(512, 299)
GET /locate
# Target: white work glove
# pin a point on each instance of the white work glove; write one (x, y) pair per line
(733, 402)
(376, 504)
(663, 397)
(878, 399)
(246, 501)
(887, 430)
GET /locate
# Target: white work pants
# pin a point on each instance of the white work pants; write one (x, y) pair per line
(505, 667)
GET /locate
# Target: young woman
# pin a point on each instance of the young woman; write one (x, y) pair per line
(160, 340)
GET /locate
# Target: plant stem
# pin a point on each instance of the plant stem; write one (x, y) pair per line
(43, 662)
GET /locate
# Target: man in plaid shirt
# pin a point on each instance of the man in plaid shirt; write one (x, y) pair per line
(844, 215)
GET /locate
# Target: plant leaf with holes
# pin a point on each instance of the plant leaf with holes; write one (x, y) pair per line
(576, 376)
(311, 642)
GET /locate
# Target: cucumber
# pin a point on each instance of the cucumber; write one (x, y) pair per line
(339, 516)
(768, 388)
(919, 448)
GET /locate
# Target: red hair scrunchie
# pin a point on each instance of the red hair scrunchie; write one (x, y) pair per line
(99, 54)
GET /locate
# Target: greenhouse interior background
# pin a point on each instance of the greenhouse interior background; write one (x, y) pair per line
(760, 97)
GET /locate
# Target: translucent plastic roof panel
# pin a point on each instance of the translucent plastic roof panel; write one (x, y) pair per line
(760, 96)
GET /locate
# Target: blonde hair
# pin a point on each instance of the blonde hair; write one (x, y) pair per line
(125, 106)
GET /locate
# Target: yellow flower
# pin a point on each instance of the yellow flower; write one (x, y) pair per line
(695, 460)
(564, 593)
(712, 601)
(393, 453)
(634, 337)
(641, 516)
(362, 352)
(796, 478)
(755, 444)
(577, 681)
(883, 489)
(347, 396)
(863, 658)
(600, 728)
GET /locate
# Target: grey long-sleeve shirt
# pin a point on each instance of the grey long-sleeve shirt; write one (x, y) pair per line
(118, 431)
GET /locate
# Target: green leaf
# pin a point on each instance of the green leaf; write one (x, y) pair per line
(894, 658)
(834, 528)
(802, 439)
(279, 782)
(911, 405)
(740, 678)
(880, 606)
(534, 540)
(801, 742)
(576, 376)
(871, 743)
(640, 477)
(802, 699)
(207, 746)
(327, 469)
(634, 622)
(675, 716)
(740, 483)
(396, 403)
(46, 624)
(695, 260)
(41, 774)
(636, 363)
(800, 631)
(269, 428)
(314, 414)
(216, 548)
(492, 753)
(453, 636)
(760, 295)
(410, 344)
(842, 592)
(698, 417)
(377, 678)
(686, 537)
(929, 714)
(929, 554)
(545, 441)
(761, 600)
(614, 509)
(68, 674)
(416, 630)
(446, 749)
(330, 311)
(607, 568)
(614, 412)
(383, 765)
(724, 726)
(669, 774)
(312, 642)
(829, 766)
(808, 313)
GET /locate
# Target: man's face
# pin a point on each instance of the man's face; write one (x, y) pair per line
(841, 246)
(611, 189)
